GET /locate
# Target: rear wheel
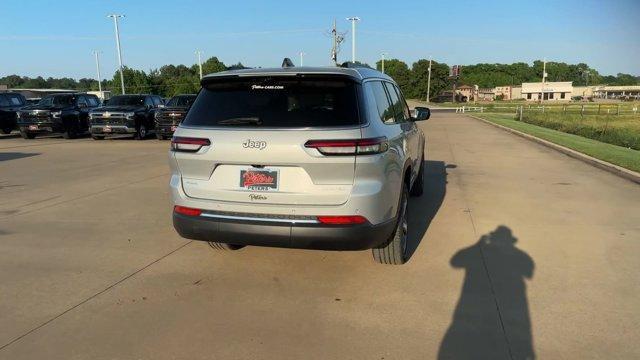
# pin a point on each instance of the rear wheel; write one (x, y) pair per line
(394, 252)
(7, 130)
(224, 246)
(27, 135)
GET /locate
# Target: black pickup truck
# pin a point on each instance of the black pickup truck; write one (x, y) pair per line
(10, 104)
(66, 114)
(169, 117)
(125, 114)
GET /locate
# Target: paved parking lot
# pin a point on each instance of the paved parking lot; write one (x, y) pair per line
(518, 252)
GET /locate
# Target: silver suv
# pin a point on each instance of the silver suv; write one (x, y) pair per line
(313, 158)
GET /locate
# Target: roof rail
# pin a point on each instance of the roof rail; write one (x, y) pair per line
(354, 65)
(286, 63)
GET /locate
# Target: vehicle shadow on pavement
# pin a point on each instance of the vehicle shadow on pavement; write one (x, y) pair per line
(9, 136)
(495, 273)
(5, 156)
(424, 208)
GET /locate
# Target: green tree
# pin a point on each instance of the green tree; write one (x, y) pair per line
(398, 71)
(135, 82)
(212, 65)
(420, 79)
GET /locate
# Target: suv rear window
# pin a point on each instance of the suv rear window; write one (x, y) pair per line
(276, 102)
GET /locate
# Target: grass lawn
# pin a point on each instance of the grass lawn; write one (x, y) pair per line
(623, 130)
(624, 157)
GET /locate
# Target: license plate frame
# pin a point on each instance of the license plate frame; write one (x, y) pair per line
(259, 179)
(34, 128)
(107, 129)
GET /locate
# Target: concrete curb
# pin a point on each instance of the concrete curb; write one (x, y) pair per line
(614, 169)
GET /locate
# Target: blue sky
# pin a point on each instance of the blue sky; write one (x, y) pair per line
(55, 38)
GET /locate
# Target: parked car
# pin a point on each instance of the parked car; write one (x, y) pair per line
(314, 158)
(10, 104)
(66, 114)
(125, 114)
(169, 117)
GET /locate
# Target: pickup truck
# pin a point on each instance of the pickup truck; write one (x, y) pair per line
(126, 114)
(169, 117)
(65, 114)
(10, 104)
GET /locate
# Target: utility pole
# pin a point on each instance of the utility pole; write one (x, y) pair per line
(198, 52)
(115, 22)
(544, 78)
(429, 80)
(302, 54)
(383, 55)
(96, 52)
(353, 20)
(337, 40)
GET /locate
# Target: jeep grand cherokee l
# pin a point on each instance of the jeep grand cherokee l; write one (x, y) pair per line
(125, 114)
(65, 114)
(315, 158)
(10, 104)
(169, 117)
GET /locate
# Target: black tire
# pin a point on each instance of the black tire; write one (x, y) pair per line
(160, 136)
(395, 250)
(224, 246)
(97, 137)
(418, 184)
(27, 135)
(71, 133)
(141, 132)
(7, 130)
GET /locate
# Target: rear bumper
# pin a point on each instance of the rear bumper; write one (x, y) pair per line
(42, 128)
(165, 129)
(113, 129)
(266, 233)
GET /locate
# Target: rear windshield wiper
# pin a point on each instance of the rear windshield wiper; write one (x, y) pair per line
(241, 121)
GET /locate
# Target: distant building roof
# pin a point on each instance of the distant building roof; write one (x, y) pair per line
(49, 90)
(618, 88)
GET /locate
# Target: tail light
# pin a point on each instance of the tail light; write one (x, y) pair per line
(342, 220)
(349, 147)
(188, 144)
(183, 210)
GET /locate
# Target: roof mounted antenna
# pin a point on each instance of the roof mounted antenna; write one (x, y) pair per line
(287, 63)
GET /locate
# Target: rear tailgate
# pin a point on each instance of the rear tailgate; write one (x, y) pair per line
(257, 129)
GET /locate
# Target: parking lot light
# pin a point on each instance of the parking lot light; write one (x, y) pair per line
(115, 22)
(353, 20)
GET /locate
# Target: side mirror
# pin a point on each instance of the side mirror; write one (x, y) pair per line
(422, 113)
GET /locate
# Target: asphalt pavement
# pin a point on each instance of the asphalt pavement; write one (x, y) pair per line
(518, 252)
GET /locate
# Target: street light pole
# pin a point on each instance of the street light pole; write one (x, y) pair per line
(383, 55)
(115, 22)
(198, 52)
(302, 54)
(353, 20)
(429, 80)
(95, 52)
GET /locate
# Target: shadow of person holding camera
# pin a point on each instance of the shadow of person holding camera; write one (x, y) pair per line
(491, 319)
